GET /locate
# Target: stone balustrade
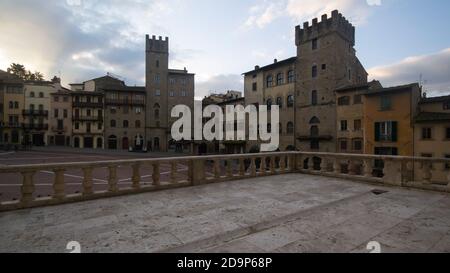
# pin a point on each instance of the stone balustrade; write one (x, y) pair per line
(422, 173)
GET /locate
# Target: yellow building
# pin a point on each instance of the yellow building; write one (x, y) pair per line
(388, 119)
(11, 106)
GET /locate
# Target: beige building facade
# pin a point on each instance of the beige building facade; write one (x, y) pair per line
(60, 120)
(12, 101)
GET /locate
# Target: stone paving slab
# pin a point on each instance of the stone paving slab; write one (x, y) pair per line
(285, 213)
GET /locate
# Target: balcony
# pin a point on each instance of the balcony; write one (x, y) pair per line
(79, 104)
(279, 204)
(87, 118)
(35, 126)
(119, 102)
(39, 113)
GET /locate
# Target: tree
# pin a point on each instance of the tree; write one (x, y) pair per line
(20, 71)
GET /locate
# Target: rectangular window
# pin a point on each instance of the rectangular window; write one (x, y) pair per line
(447, 133)
(172, 94)
(324, 66)
(426, 133)
(446, 105)
(344, 100)
(386, 131)
(343, 144)
(157, 92)
(254, 86)
(172, 81)
(183, 93)
(314, 144)
(385, 103)
(65, 99)
(314, 71)
(56, 113)
(314, 44)
(88, 112)
(343, 125)
(99, 126)
(77, 125)
(65, 113)
(138, 110)
(357, 145)
(357, 125)
(56, 98)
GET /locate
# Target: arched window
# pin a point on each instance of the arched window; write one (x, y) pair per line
(314, 131)
(32, 94)
(314, 71)
(291, 76)
(280, 79)
(269, 81)
(314, 120)
(290, 101)
(314, 97)
(269, 104)
(113, 123)
(157, 113)
(137, 124)
(125, 124)
(280, 102)
(290, 128)
(41, 95)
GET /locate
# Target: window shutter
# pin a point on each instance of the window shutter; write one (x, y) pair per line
(394, 131)
(377, 131)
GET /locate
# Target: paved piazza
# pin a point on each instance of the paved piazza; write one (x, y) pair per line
(285, 213)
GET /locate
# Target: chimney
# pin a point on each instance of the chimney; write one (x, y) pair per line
(275, 61)
(256, 67)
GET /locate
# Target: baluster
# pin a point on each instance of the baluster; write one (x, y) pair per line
(241, 167)
(426, 169)
(58, 185)
(173, 171)
(229, 168)
(282, 164)
(351, 167)
(87, 181)
(217, 168)
(155, 174)
(336, 166)
(368, 168)
(323, 165)
(136, 178)
(262, 166)
(27, 188)
(253, 167)
(112, 178)
(272, 164)
(311, 164)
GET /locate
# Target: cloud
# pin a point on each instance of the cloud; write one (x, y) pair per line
(357, 11)
(219, 84)
(434, 69)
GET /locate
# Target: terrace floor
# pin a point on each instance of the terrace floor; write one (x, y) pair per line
(285, 213)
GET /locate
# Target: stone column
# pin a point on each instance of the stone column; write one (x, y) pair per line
(87, 181)
(58, 185)
(112, 178)
(156, 174)
(27, 188)
(136, 178)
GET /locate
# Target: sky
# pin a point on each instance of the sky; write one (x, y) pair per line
(397, 41)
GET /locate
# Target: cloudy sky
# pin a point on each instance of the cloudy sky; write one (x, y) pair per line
(397, 40)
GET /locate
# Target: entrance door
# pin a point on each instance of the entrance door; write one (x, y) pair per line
(60, 140)
(125, 144)
(38, 140)
(88, 142)
(112, 142)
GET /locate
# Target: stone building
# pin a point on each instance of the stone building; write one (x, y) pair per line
(165, 88)
(432, 134)
(124, 117)
(60, 126)
(11, 105)
(274, 84)
(326, 61)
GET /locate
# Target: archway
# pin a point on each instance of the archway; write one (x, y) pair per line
(76, 142)
(112, 142)
(99, 143)
(125, 144)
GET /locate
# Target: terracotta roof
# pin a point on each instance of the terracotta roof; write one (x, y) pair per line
(359, 86)
(399, 88)
(432, 117)
(436, 99)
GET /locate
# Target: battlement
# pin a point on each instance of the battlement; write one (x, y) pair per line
(337, 23)
(154, 44)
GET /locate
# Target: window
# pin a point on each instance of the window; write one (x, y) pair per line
(357, 145)
(11, 105)
(314, 97)
(88, 112)
(314, 71)
(32, 107)
(65, 99)
(157, 63)
(126, 110)
(41, 95)
(41, 107)
(157, 113)
(172, 94)
(157, 92)
(99, 126)
(77, 125)
(290, 128)
(386, 131)
(269, 104)
(183, 93)
(172, 81)
(113, 110)
(280, 79)
(113, 123)
(426, 133)
(137, 124)
(291, 76)
(56, 98)
(324, 66)
(254, 86)
(385, 103)
(447, 165)
(314, 120)
(290, 101)
(157, 79)
(183, 81)
(314, 145)
(344, 101)
(447, 133)
(280, 102)
(357, 125)
(269, 81)
(16, 105)
(343, 144)
(344, 125)
(99, 114)
(31, 94)
(138, 110)
(314, 131)
(446, 105)
(314, 44)
(357, 99)
(125, 124)
(56, 113)
(65, 113)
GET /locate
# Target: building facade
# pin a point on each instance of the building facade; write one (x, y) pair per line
(60, 118)
(165, 88)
